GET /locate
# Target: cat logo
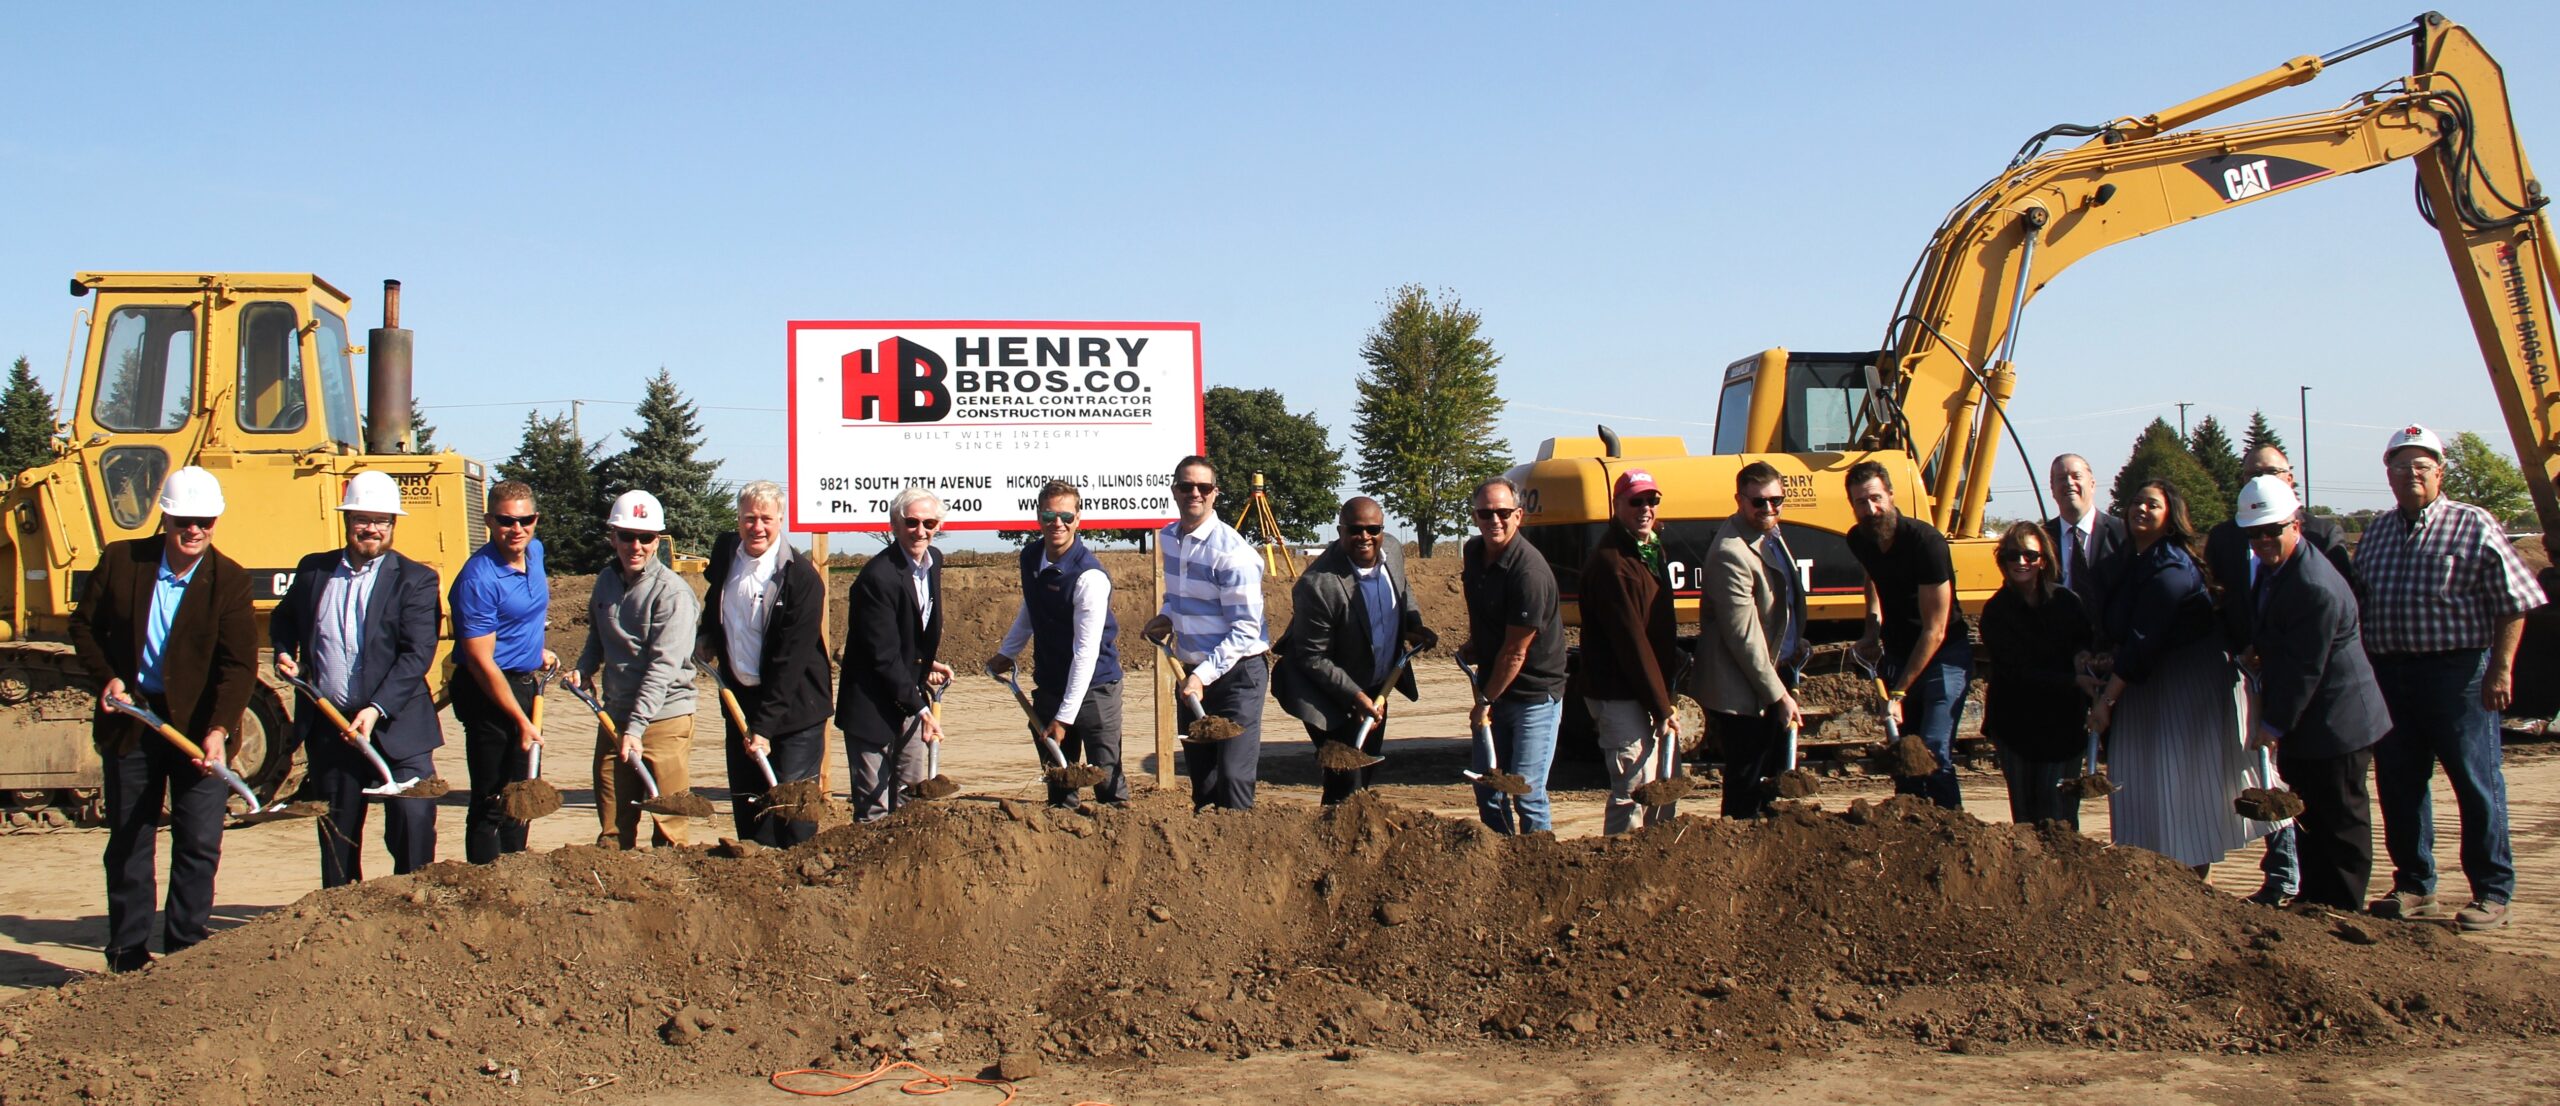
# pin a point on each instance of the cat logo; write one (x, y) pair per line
(2245, 179)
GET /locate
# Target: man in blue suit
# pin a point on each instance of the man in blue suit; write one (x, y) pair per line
(2317, 701)
(359, 624)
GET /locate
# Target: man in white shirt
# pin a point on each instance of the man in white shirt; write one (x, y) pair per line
(1213, 614)
(1075, 660)
(762, 623)
(2083, 536)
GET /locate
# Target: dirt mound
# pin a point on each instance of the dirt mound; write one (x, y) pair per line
(958, 933)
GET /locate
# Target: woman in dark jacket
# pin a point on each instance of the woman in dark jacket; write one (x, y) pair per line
(2034, 633)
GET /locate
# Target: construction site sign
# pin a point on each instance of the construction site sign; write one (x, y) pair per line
(984, 413)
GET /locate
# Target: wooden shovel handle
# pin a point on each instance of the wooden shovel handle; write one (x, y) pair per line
(193, 750)
(737, 714)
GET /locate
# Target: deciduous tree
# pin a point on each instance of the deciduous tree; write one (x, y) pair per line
(2477, 474)
(1254, 431)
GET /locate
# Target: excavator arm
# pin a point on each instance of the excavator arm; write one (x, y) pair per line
(1947, 368)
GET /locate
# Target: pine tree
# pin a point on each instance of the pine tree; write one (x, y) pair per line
(2262, 434)
(2212, 449)
(561, 467)
(1426, 412)
(2159, 455)
(26, 423)
(660, 460)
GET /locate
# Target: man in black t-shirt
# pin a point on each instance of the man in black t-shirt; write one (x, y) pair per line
(1913, 625)
(1515, 637)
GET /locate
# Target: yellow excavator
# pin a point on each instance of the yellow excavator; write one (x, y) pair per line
(1929, 405)
(251, 376)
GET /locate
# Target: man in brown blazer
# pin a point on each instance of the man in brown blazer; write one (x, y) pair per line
(1751, 640)
(165, 622)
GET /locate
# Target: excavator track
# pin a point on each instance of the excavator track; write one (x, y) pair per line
(51, 780)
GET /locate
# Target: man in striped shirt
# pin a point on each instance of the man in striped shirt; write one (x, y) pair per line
(1213, 610)
(2444, 605)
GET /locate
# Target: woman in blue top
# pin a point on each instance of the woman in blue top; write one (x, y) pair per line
(2172, 707)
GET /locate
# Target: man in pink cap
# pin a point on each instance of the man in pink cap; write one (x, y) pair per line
(1630, 649)
(2444, 605)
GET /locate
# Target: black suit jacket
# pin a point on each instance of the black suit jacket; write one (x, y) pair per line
(391, 663)
(1325, 657)
(209, 664)
(2226, 553)
(791, 670)
(2106, 535)
(887, 652)
(2315, 687)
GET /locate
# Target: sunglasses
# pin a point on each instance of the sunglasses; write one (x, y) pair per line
(1489, 514)
(2270, 530)
(2023, 557)
(1648, 499)
(1766, 502)
(1194, 487)
(635, 537)
(1057, 518)
(1372, 531)
(927, 525)
(190, 524)
(497, 520)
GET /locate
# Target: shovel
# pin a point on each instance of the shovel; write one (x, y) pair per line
(257, 812)
(687, 805)
(1511, 785)
(1795, 782)
(2092, 782)
(1334, 756)
(1669, 785)
(1204, 728)
(426, 787)
(1907, 756)
(531, 797)
(2266, 804)
(934, 785)
(1053, 760)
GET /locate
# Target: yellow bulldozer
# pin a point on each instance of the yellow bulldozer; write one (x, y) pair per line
(251, 376)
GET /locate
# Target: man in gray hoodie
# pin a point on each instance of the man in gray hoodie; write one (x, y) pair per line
(639, 658)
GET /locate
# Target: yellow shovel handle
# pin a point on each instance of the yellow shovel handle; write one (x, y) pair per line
(737, 715)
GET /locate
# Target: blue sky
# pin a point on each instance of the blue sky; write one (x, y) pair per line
(1632, 195)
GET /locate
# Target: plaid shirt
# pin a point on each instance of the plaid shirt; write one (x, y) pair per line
(2440, 583)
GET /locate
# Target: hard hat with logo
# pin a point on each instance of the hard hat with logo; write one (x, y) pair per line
(2266, 499)
(2414, 435)
(637, 510)
(374, 493)
(191, 492)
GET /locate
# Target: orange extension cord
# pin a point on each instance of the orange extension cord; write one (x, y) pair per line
(926, 1082)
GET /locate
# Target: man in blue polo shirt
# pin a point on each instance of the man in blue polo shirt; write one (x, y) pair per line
(500, 602)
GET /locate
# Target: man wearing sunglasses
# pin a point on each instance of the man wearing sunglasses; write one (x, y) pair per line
(1515, 637)
(893, 633)
(1631, 658)
(642, 622)
(501, 602)
(1075, 656)
(1751, 641)
(2316, 698)
(1213, 612)
(359, 624)
(1352, 616)
(165, 622)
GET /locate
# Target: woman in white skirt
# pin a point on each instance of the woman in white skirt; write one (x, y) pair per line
(2171, 708)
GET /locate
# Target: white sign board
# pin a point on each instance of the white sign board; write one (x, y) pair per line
(983, 413)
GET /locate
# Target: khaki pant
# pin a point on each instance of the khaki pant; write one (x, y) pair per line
(665, 747)
(1634, 753)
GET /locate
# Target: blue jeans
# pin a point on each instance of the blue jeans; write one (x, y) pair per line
(2283, 862)
(2436, 716)
(1931, 710)
(1525, 731)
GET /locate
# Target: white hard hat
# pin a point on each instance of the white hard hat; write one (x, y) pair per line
(374, 493)
(637, 510)
(191, 492)
(2414, 435)
(2266, 499)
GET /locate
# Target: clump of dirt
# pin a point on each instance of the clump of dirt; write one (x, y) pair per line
(2095, 785)
(794, 797)
(432, 787)
(679, 804)
(1335, 756)
(1507, 783)
(1075, 777)
(2262, 805)
(956, 933)
(1910, 757)
(1665, 791)
(1211, 728)
(936, 787)
(1799, 783)
(526, 800)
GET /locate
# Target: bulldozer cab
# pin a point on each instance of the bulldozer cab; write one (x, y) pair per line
(1782, 402)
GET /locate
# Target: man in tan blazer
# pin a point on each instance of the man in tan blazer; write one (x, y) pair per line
(1751, 640)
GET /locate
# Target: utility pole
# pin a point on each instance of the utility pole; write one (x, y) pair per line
(581, 434)
(2182, 420)
(2303, 398)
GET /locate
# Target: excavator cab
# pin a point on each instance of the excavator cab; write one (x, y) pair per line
(1782, 402)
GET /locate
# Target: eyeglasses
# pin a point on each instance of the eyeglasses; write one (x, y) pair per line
(369, 522)
(1766, 502)
(1057, 518)
(1193, 487)
(1489, 514)
(927, 525)
(2422, 468)
(2254, 473)
(635, 537)
(1648, 499)
(2023, 557)
(190, 523)
(498, 520)
(1372, 531)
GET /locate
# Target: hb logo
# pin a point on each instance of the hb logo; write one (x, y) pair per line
(903, 385)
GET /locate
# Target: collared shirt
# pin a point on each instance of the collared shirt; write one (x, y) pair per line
(488, 597)
(166, 593)
(2441, 581)
(1378, 592)
(745, 610)
(921, 573)
(1213, 594)
(1091, 600)
(2075, 547)
(337, 634)
(640, 637)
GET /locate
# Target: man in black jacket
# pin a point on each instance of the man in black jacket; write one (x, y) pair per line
(359, 624)
(2317, 702)
(893, 631)
(762, 623)
(1352, 615)
(2083, 536)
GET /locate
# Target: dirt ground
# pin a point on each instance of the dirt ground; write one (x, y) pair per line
(1389, 952)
